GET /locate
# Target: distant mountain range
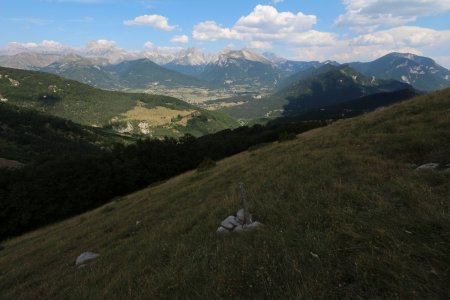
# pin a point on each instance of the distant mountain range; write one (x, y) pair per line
(143, 72)
(192, 67)
(30, 60)
(135, 74)
(241, 67)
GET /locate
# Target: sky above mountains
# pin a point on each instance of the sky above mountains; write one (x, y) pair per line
(342, 30)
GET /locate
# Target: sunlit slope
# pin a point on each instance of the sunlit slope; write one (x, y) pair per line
(158, 115)
(345, 214)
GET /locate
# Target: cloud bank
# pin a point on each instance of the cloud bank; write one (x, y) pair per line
(155, 21)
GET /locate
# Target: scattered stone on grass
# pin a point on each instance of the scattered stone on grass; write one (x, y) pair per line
(434, 166)
(85, 256)
(428, 166)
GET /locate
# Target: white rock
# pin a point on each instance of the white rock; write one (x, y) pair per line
(241, 216)
(144, 127)
(238, 229)
(428, 166)
(230, 222)
(253, 226)
(85, 256)
(222, 230)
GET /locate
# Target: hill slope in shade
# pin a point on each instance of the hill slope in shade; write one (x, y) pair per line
(305, 74)
(345, 214)
(28, 136)
(422, 73)
(338, 85)
(352, 108)
(312, 89)
(143, 114)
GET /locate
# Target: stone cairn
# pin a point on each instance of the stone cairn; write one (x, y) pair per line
(242, 221)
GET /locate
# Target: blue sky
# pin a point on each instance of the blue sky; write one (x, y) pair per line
(343, 30)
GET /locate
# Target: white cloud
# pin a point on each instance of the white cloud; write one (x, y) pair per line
(106, 49)
(277, 1)
(366, 47)
(100, 45)
(259, 45)
(211, 31)
(313, 38)
(443, 61)
(46, 46)
(341, 52)
(305, 45)
(368, 15)
(149, 45)
(182, 39)
(155, 21)
(168, 49)
(267, 19)
(266, 24)
(404, 36)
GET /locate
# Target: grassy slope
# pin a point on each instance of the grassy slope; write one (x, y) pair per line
(90, 106)
(345, 193)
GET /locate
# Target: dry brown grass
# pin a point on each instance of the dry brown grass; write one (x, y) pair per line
(159, 115)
